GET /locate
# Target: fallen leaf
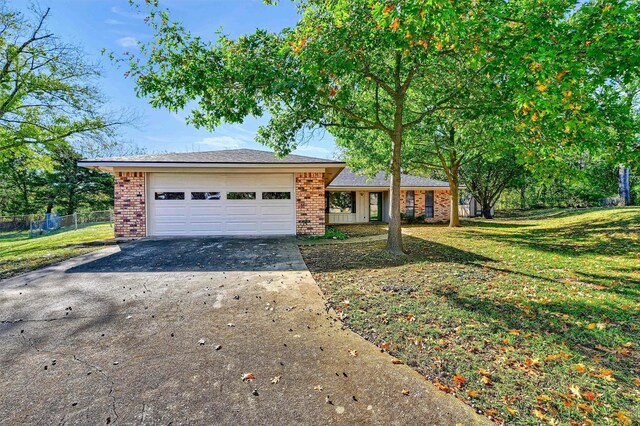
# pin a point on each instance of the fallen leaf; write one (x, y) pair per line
(589, 395)
(575, 390)
(395, 25)
(353, 352)
(247, 377)
(318, 388)
(459, 379)
(486, 380)
(514, 331)
(385, 345)
(275, 380)
(543, 398)
(405, 392)
(396, 361)
(473, 394)
(623, 420)
(201, 342)
(579, 368)
(591, 326)
(636, 381)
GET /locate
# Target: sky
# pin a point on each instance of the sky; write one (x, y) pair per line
(116, 26)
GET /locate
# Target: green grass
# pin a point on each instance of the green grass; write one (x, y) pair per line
(532, 319)
(330, 233)
(19, 253)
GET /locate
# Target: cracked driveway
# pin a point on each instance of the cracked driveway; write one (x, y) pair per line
(162, 331)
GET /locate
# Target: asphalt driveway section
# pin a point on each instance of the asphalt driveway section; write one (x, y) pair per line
(196, 331)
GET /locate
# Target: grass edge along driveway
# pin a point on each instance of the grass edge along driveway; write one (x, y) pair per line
(19, 253)
(532, 319)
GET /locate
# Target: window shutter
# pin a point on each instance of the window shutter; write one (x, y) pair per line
(353, 202)
(326, 201)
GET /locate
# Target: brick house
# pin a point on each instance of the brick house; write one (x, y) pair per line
(252, 192)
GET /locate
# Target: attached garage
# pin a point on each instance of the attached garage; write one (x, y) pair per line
(221, 204)
(218, 193)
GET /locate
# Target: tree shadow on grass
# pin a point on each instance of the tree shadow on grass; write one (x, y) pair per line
(602, 237)
(555, 321)
(372, 255)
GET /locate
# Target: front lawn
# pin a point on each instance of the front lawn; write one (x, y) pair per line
(531, 319)
(19, 253)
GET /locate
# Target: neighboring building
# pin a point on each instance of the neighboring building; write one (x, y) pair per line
(251, 192)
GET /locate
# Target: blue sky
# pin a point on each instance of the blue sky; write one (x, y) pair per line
(116, 26)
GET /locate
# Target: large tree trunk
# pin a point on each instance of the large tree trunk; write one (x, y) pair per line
(454, 184)
(623, 184)
(486, 211)
(394, 239)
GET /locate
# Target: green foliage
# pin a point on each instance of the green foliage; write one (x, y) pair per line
(331, 233)
(47, 93)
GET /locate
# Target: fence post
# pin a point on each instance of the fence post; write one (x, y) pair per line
(75, 220)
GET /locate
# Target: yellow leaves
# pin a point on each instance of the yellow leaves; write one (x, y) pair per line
(623, 420)
(405, 392)
(575, 391)
(599, 326)
(580, 368)
(441, 386)
(561, 355)
(636, 381)
(604, 374)
(561, 74)
(410, 317)
(535, 116)
(541, 398)
(275, 380)
(473, 393)
(387, 10)
(514, 331)
(396, 361)
(439, 45)
(591, 326)
(589, 395)
(386, 346)
(395, 25)
(541, 87)
(353, 352)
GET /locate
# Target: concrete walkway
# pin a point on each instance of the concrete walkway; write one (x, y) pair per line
(163, 331)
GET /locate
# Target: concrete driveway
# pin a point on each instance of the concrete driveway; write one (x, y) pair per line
(162, 332)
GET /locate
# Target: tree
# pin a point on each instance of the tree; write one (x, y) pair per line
(46, 90)
(486, 177)
(374, 69)
(346, 66)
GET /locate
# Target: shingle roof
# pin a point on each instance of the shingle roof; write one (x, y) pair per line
(349, 179)
(240, 156)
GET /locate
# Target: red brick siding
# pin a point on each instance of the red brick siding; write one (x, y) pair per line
(441, 204)
(129, 205)
(310, 203)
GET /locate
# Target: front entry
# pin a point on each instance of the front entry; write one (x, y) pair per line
(375, 206)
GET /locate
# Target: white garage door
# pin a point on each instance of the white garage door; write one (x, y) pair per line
(221, 204)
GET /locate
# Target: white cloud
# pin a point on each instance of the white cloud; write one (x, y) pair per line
(124, 14)
(223, 142)
(113, 22)
(127, 41)
(315, 151)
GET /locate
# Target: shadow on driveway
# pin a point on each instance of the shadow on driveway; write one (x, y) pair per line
(200, 254)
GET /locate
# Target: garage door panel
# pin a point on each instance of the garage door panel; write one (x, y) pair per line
(201, 216)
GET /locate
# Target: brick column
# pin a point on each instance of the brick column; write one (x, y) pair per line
(129, 203)
(310, 216)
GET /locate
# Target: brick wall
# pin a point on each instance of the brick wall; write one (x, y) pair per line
(129, 203)
(441, 204)
(310, 203)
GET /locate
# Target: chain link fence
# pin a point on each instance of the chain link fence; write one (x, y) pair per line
(54, 223)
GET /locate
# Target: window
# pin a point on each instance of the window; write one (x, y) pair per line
(205, 196)
(341, 202)
(276, 195)
(169, 195)
(410, 204)
(428, 211)
(241, 195)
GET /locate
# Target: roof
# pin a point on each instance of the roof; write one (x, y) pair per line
(349, 179)
(230, 156)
